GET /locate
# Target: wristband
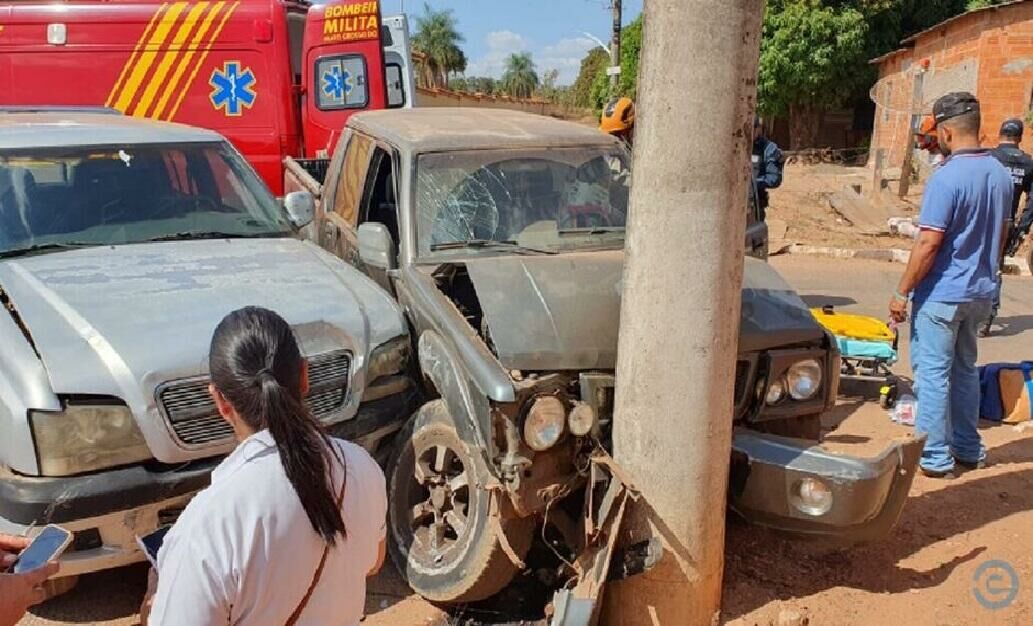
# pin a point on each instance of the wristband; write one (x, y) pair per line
(899, 297)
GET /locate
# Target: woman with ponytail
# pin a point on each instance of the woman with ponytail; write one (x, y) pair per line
(293, 521)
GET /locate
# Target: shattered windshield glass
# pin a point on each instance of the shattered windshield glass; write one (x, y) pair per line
(51, 199)
(547, 199)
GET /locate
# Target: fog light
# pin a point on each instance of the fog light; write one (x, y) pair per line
(776, 391)
(812, 497)
(581, 420)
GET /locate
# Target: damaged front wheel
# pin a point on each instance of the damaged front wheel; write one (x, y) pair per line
(442, 538)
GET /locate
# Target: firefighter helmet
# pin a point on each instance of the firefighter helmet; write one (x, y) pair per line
(618, 116)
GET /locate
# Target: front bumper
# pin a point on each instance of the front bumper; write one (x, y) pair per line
(106, 511)
(867, 494)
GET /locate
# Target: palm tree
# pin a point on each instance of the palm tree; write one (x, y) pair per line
(438, 38)
(520, 78)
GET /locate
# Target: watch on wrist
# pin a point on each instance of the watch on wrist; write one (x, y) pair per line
(899, 297)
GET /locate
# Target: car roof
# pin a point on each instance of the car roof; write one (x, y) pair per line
(55, 129)
(436, 129)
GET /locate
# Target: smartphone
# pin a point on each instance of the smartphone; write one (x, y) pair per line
(45, 547)
(150, 544)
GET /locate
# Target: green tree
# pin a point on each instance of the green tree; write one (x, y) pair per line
(520, 78)
(594, 62)
(810, 61)
(438, 37)
(548, 90)
(631, 50)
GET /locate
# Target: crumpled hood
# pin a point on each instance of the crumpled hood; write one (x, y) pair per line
(562, 312)
(120, 320)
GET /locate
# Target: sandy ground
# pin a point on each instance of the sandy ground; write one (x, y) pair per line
(923, 574)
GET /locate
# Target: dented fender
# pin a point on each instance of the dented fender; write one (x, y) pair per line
(470, 410)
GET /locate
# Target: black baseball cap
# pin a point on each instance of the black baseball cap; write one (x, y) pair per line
(953, 105)
(1012, 128)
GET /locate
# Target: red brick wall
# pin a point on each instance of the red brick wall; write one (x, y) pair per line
(1000, 40)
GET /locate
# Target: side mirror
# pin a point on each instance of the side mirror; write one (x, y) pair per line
(376, 247)
(301, 208)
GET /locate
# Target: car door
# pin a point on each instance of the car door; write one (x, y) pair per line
(342, 203)
(756, 228)
(380, 205)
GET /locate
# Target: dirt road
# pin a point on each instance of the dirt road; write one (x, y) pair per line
(922, 575)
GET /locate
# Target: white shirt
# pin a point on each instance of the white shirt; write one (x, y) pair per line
(244, 552)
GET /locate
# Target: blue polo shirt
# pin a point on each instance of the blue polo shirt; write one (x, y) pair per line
(967, 199)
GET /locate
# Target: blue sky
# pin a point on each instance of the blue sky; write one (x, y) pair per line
(553, 31)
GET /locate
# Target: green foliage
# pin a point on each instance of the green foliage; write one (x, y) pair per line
(631, 50)
(520, 78)
(475, 84)
(437, 36)
(810, 55)
(594, 62)
(982, 4)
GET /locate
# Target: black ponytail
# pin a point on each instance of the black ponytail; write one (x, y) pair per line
(256, 365)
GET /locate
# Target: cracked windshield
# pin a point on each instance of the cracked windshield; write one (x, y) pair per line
(544, 200)
(51, 199)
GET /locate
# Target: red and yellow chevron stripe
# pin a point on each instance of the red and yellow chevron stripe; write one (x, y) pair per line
(167, 57)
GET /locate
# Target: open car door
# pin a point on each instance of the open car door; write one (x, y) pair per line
(343, 70)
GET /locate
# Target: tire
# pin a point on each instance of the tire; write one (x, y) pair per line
(446, 557)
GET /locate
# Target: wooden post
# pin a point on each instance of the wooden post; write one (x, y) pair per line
(907, 169)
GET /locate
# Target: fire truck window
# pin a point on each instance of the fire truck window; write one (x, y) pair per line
(353, 178)
(395, 86)
(296, 37)
(341, 82)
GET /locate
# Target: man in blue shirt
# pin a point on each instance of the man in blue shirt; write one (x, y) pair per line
(952, 278)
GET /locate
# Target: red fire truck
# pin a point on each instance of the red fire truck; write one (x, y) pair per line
(277, 77)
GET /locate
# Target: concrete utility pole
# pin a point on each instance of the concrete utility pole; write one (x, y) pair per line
(682, 289)
(615, 49)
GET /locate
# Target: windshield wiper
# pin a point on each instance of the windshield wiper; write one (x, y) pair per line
(211, 234)
(47, 247)
(592, 230)
(506, 244)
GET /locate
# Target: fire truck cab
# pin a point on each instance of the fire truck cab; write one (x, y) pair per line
(279, 78)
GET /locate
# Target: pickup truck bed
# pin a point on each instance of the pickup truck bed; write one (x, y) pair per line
(304, 175)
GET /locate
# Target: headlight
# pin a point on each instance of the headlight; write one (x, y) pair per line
(388, 358)
(804, 379)
(776, 391)
(545, 422)
(87, 437)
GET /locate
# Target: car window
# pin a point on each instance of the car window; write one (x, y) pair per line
(395, 86)
(543, 198)
(341, 82)
(115, 195)
(352, 178)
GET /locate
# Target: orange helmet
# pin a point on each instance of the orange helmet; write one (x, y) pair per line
(618, 116)
(926, 136)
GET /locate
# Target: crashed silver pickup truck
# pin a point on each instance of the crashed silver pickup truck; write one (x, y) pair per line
(122, 244)
(501, 234)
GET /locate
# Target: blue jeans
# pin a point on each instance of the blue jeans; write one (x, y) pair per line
(943, 357)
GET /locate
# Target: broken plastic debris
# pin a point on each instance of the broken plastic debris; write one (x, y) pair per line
(125, 157)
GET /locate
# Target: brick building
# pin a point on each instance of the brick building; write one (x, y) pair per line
(988, 52)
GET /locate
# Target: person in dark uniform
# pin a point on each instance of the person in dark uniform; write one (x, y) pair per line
(1020, 166)
(767, 166)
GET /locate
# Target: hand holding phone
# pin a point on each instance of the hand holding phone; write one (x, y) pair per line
(45, 547)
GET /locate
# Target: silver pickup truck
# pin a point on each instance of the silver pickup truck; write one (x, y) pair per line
(122, 244)
(502, 236)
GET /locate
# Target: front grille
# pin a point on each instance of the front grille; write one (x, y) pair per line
(189, 409)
